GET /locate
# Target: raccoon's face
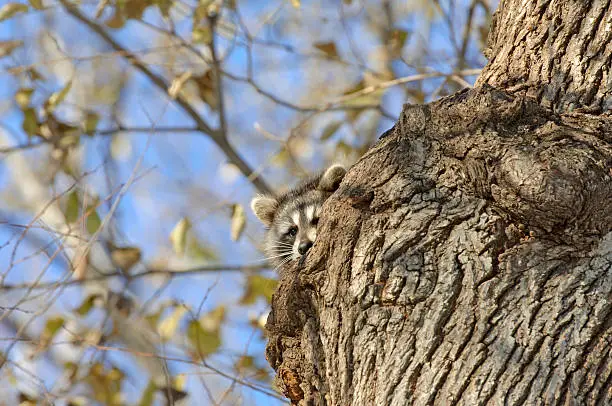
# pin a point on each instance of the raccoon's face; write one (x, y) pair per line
(292, 218)
(294, 229)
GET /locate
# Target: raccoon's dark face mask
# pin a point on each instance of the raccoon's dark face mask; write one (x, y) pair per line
(292, 218)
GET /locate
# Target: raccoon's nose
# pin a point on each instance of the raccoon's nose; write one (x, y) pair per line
(304, 247)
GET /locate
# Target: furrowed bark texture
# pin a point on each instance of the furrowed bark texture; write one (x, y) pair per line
(466, 259)
(557, 52)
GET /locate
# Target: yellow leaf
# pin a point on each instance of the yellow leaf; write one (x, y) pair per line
(90, 123)
(178, 236)
(238, 221)
(7, 47)
(23, 96)
(57, 97)
(10, 9)
(204, 342)
(37, 4)
(168, 326)
(125, 257)
(201, 35)
(177, 84)
(295, 3)
(258, 286)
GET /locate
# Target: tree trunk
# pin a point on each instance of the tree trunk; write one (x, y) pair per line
(467, 258)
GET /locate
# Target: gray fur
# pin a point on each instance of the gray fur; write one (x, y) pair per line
(292, 218)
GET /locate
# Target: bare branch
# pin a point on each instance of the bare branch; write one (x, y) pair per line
(217, 136)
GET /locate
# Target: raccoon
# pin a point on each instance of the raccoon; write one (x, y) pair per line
(292, 218)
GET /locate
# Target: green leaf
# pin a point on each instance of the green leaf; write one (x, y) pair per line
(148, 395)
(204, 342)
(93, 222)
(330, 129)
(178, 235)
(10, 9)
(86, 306)
(72, 207)
(30, 122)
(51, 328)
(238, 222)
(37, 4)
(258, 286)
(57, 97)
(7, 47)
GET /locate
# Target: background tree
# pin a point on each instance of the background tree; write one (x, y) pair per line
(132, 135)
(466, 257)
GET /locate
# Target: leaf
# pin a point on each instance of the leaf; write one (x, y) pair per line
(37, 4)
(52, 326)
(258, 286)
(238, 222)
(201, 35)
(398, 39)
(134, 8)
(72, 207)
(330, 129)
(164, 7)
(328, 47)
(247, 365)
(212, 320)
(178, 235)
(30, 122)
(87, 305)
(148, 395)
(207, 88)
(10, 9)
(93, 222)
(57, 97)
(295, 3)
(204, 334)
(197, 250)
(168, 326)
(7, 47)
(116, 21)
(125, 257)
(90, 123)
(177, 84)
(23, 97)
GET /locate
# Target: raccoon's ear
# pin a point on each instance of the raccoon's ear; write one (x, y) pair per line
(331, 178)
(264, 208)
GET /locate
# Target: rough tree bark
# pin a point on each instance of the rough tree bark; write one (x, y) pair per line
(467, 258)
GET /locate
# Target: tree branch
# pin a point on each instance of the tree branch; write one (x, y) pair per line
(203, 127)
(149, 272)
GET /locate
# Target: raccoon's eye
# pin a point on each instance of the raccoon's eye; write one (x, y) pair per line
(314, 221)
(292, 231)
